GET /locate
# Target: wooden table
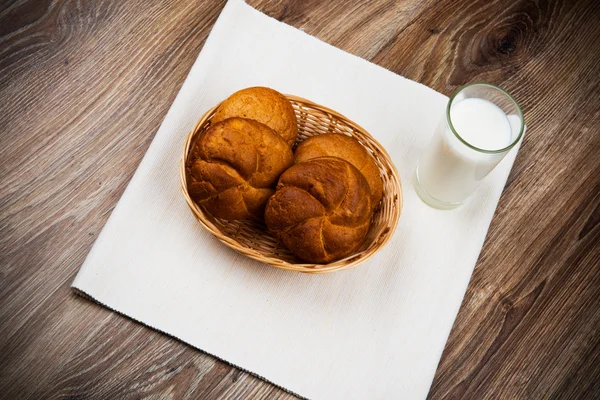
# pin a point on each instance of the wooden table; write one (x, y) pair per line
(85, 85)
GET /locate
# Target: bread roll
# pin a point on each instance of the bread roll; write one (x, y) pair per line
(346, 148)
(233, 167)
(264, 105)
(321, 210)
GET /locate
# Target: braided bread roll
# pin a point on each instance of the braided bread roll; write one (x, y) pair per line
(233, 167)
(321, 210)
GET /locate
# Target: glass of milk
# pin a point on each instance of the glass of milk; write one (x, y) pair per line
(482, 123)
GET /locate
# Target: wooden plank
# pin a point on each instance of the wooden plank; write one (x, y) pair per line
(84, 87)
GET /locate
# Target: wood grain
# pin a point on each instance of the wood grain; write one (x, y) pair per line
(84, 87)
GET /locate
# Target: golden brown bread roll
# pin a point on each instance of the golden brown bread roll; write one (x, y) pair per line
(321, 209)
(264, 105)
(346, 148)
(233, 167)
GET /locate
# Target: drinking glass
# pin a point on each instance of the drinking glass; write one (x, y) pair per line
(481, 124)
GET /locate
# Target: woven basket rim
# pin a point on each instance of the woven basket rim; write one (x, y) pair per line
(347, 262)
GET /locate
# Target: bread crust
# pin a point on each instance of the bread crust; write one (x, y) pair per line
(346, 148)
(264, 105)
(321, 209)
(233, 167)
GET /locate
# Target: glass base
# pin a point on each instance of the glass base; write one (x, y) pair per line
(429, 199)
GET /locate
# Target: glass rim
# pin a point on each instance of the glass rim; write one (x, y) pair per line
(498, 151)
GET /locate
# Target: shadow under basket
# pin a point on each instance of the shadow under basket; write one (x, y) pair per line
(251, 237)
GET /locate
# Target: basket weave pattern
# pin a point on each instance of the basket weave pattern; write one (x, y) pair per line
(251, 237)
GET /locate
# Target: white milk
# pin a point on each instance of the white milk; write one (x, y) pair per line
(449, 170)
(481, 124)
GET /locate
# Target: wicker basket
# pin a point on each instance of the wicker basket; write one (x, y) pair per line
(252, 239)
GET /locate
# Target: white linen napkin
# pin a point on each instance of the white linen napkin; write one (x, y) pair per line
(375, 331)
